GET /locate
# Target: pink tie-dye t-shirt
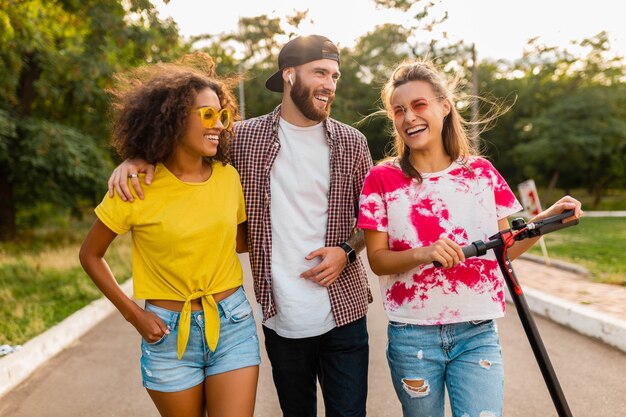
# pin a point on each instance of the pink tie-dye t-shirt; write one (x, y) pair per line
(459, 203)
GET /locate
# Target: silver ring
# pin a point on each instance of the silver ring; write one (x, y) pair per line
(133, 175)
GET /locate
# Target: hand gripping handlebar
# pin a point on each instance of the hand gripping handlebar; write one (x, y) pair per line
(499, 243)
(524, 231)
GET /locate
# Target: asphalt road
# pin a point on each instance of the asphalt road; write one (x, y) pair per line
(99, 375)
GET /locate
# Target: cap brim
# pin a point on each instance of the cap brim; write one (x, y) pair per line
(275, 82)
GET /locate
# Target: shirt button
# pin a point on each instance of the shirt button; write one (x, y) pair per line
(200, 317)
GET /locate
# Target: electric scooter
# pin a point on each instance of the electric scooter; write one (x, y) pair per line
(500, 242)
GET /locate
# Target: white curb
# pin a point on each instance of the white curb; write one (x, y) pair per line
(16, 367)
(584, 320)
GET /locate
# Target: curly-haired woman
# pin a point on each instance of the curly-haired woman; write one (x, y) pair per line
(200, 350)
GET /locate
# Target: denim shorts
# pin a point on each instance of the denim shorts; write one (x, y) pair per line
(463, 359)
(238, 347)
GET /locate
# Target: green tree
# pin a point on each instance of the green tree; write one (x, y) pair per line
(581, 137)
(567, 126)
(58, 59)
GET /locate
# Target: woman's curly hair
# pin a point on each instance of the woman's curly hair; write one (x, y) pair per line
(151, 106)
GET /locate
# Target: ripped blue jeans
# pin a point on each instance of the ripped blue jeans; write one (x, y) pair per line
(465, 358)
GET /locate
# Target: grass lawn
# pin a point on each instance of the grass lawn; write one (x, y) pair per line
(42, 282)
(597, 243)
(612, 200)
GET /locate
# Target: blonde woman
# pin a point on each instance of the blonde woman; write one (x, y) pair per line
(434, 196)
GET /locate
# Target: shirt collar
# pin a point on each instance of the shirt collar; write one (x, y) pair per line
(329, 125)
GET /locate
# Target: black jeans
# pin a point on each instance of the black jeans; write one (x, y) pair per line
(338, 358)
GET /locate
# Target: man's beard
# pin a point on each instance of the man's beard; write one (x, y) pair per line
(303, 98)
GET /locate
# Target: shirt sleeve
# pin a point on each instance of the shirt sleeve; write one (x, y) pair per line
(115, 214)
(506, 202)
(372, 207)
(363, 166)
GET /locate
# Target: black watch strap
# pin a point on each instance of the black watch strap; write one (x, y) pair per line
(349, 251)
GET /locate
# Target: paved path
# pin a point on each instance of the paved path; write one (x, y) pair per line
(570, 286)
(98, 374)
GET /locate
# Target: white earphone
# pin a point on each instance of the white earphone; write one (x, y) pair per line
(290, 80)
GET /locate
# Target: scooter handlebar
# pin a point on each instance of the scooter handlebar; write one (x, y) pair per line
(553, 223)
(540, 227)
(469, 251)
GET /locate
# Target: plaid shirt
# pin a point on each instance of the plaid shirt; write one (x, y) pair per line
(253, 151)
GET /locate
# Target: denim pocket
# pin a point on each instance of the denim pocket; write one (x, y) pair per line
(242, 312)
(397, 324)
(158, 342)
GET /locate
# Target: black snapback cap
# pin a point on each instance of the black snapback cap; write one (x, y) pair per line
(299, 51)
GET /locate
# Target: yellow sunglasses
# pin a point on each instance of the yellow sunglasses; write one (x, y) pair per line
(210, 116)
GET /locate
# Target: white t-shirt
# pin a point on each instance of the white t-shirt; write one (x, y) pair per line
(459, 203)
(299, 183)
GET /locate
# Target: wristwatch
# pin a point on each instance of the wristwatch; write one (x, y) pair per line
(349, 251)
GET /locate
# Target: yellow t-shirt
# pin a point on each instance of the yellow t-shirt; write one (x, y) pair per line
(183, 241)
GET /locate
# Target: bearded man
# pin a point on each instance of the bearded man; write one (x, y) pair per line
(302, 174)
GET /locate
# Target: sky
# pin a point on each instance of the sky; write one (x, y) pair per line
(500, 29)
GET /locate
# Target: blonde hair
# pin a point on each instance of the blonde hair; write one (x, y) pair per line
(457, 142)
